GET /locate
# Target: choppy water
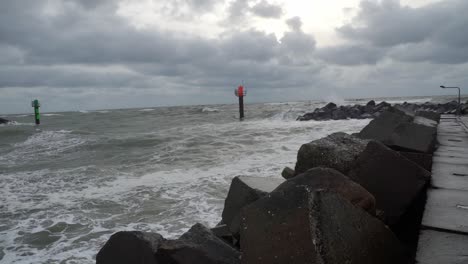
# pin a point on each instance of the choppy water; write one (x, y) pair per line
(66, 186)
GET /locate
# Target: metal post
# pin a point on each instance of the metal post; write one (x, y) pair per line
(36, 106)
(241, 92)
(241, 107)
(459, 95)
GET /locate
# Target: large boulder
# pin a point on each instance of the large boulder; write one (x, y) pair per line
(414, 137)
(382, 127)
(198, 245)
(4, 121)
(337, 151)
(422, 159)
(288, 173)
(130, 247)
(394, 180)
(432, 115)
(333, 181)
(397, 130)
(243, 191)
(298, 225)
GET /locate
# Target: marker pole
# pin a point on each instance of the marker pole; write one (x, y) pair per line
(241, 107)
(36, 106)
(241, 92)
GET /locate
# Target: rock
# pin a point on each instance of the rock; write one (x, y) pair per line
(130, 247)
(381, 106)
(382, 128)
(424, 121)
(394, 180)
(323, 114)
(198, 245)
(371, 103)
(330, 106)
(434, 116)
(339, 114)
(243, 191)
(397, 130)
(414, 137)
(422, 159)
(354, 112)
(337, 151)
(333, 181)
(288, 173)
(366, 116)
(222, 231)
(4, 121)
(301, 226)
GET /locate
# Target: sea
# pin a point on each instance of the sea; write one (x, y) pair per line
(67, 185)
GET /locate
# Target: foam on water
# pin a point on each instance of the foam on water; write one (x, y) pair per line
(209, 110)
(64, 214)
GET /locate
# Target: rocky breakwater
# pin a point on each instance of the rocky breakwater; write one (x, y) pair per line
(349, 199)
(4, 121)
(371, 110)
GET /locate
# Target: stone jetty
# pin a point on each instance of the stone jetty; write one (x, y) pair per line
(4, 121)
(356, 199)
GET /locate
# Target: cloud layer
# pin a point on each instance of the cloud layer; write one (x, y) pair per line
(86, 52)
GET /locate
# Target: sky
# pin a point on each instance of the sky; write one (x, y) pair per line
(101, 54)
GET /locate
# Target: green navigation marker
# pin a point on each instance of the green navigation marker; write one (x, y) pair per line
(36, 106)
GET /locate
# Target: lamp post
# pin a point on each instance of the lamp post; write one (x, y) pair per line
(459, 102)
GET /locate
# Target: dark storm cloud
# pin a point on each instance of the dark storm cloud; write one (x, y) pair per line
(81, 47)
(267, 10)
(81, 44)
(433, 33)
(351, 54)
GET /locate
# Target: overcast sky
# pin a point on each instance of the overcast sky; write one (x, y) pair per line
(96, 54)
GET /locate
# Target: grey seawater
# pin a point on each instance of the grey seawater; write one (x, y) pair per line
(70, 183)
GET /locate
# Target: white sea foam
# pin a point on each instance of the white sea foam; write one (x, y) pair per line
(147, 110)
(209, 110)
(52, 115)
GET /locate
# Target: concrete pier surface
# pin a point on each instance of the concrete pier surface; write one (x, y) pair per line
(444, 234)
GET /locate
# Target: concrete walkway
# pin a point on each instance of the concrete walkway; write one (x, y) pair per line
(444, 235)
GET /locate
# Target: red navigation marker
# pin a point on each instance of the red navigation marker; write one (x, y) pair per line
(241, 92)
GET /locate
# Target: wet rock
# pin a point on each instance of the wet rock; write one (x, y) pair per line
(337, 151)
(422, 159)
(130, 247)
(333, 181)
(432, 115)
(222, 231)
(414, 137)
(4, 121)
(198, 245)
(302, 226)
(243, 191)
(339, 114)
(371, 103)
(425, 121)
(330, 106)
(394, 180)
(397, 129)
(288, 173)
(382, 128)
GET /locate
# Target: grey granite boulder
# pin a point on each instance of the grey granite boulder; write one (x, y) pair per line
(130, 247)
(243, 191)
(4, 121)
(398, 130)
(331, 180)
(198, 245)
(394, 180)
(337, 151)
(302, 226)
